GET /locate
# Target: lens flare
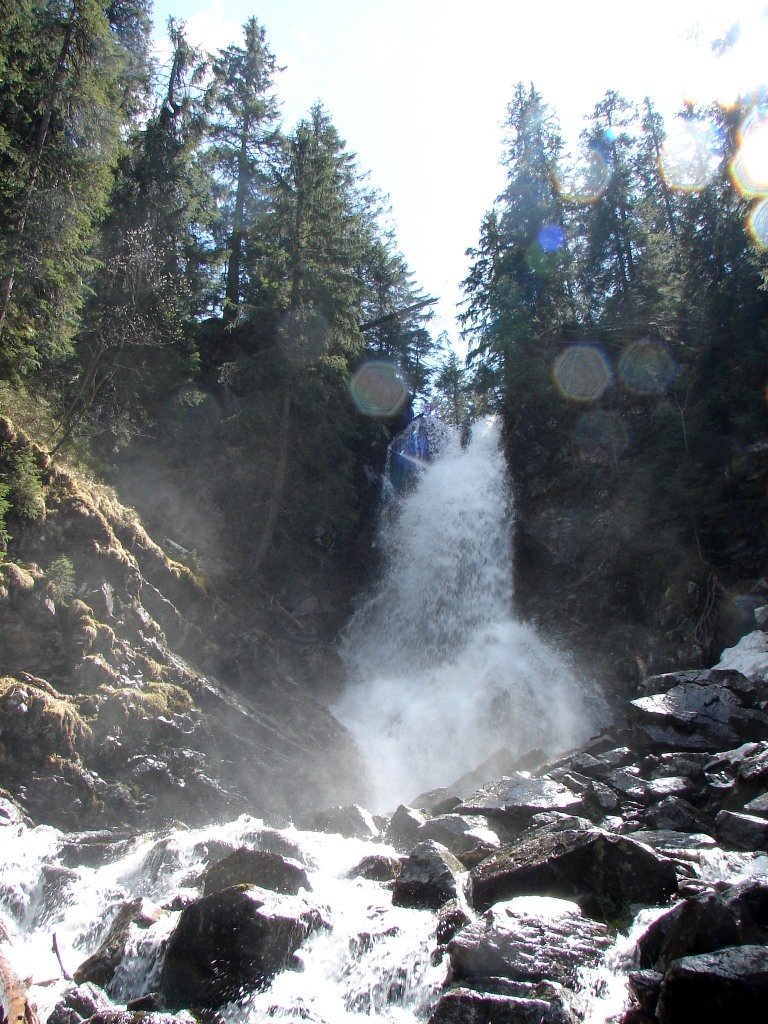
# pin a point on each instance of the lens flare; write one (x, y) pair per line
(584, 182)
(582, 373)
(303, 336)
(757, 224)
(378, 390)
(690, 155)
(646, 367)
(551, 237)
(601, 436)
(749, 167)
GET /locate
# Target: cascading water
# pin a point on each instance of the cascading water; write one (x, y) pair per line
(442, 672)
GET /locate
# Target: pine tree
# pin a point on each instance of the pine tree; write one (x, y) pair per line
(72, 82)
(242, 128)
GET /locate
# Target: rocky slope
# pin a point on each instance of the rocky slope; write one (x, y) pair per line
(130, 692)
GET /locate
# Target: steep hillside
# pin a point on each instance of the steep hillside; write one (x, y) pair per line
(130, 691)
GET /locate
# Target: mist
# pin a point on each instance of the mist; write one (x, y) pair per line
(442, 673)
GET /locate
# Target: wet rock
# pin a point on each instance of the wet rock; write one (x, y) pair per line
(350, 821)
(79, 1003)
(436, 801)
(758, 806)
(232, 942)
(11, 812)
(524, 797)
(593, 867)
(403, 828)
(675, 814)
(100, 967)
(505, 1002)
(430, 877)
(741, 831)
(530, 938)
(699, 711)
(645, 986)
(628, 783)
(458, 833)
(696, 926)
(377, 868)
(256, 867)
(451, 918)
(729, 984)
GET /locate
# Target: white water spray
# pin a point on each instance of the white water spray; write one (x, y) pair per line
(442, 672)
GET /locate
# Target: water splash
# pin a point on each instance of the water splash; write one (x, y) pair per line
(442, 672)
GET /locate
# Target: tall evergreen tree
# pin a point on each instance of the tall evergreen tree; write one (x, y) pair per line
(243, 116)
(71, 83)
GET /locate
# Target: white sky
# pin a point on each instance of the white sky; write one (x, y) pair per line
(419, 88)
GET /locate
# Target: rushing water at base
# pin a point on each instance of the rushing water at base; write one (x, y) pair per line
(374, 961)
(442, 672)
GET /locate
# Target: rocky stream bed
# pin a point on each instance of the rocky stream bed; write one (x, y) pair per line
(626, 880)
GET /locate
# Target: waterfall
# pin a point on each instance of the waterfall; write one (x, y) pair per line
(442, 672)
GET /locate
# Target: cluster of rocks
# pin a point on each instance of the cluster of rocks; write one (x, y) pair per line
(530, 878)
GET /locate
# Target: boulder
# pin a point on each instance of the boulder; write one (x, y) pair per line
(645, 986)
(728, 984)
(350, 821)
(505, 1002)
(698, 925)
(741, 831)
(99, 969)
(232, 942)
(403, 828)
(459, 833)
(430, 877)
(378, 867)
(675, 814)
(524, 797)
(451, 918)
(531, 938)
(700, 711)
(256, 867)
(78, 1003)
(758, 806)
(603, 872)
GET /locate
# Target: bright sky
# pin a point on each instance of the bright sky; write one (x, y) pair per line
(419, 88)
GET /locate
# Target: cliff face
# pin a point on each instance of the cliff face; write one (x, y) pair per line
(607, 560)
(130, 691)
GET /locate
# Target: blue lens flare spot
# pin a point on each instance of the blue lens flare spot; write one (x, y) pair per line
(551, 237)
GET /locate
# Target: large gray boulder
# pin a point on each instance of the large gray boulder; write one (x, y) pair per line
(506, 1002)
(699, 710)
(350, 820)
(729, 984)
(231, 942)
(604, 873)
(530, 938)
(403, 828)
(459, 833)
(741, 831)
(256, 867)
(430, 877)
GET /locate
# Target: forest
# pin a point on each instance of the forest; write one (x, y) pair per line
(209, 310)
